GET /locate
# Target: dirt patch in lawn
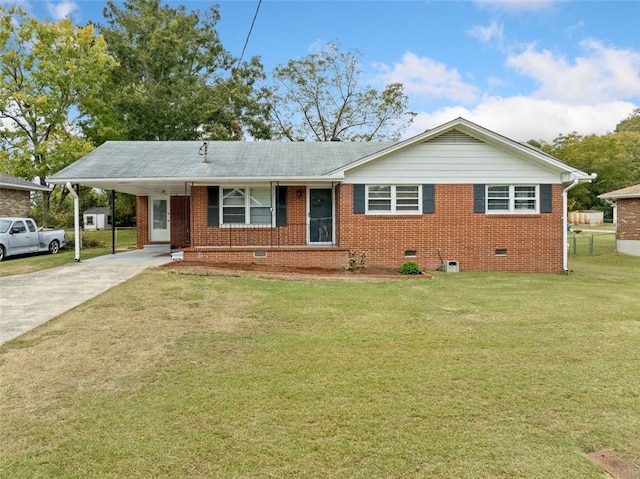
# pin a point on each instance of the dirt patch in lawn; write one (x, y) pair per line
(617, 466)
(231, 269)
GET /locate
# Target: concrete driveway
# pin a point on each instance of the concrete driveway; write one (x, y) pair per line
(29, 300)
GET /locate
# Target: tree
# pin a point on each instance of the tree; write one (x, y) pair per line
(49, 71)
(631, 123)
(318, 98)
(615, 157)
(175, 80)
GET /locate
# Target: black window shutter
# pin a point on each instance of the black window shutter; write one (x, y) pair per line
(281, 206)
(213, 210)
(358, 199)
(478, 198)
(428, 199)
(545, 199)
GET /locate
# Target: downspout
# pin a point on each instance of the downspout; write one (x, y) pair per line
(565, 222)
(76, 219)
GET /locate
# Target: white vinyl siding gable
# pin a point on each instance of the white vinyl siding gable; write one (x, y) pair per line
(451, 160)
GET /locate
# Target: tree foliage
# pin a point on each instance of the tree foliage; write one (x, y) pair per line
(631, 123)
(319, 97)
(50, 71)
(175, 80)
(615, 157)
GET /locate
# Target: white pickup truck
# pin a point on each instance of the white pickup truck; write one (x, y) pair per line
(22, 236)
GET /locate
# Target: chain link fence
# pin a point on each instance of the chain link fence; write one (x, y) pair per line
(591, 243)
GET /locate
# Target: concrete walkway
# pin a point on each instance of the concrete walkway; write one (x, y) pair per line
(29, 300)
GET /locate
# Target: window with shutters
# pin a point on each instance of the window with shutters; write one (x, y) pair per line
(393, 199)
(512, 199)
(246, 206)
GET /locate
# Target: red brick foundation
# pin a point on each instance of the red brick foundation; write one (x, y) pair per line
(303, 257)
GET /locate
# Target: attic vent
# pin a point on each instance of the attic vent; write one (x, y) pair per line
(455, 137)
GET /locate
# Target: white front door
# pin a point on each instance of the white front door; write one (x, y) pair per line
(159, 219)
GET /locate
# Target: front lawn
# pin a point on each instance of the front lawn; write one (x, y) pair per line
(467, 375)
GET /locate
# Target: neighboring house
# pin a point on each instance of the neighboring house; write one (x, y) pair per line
(15, 195)
(97, 218)
(458, 192)
(627, 217)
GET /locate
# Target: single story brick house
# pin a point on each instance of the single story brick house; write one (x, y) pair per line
(627, 206)
(15, 195)
(458, 192)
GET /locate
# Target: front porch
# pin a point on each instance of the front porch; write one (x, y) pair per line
(328, 257)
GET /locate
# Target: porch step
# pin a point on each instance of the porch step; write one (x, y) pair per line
(161, 248)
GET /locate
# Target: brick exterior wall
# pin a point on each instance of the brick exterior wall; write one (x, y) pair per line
(628, 227)
(180, 206)
(15, 202)
(533, 243)
(142, 220)
(293, 234)
(179, 212)
(290, 256)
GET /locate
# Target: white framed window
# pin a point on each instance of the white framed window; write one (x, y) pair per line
(246, 205)
(512, 199)
(393, 199)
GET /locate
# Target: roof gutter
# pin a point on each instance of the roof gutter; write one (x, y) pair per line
(76, 219)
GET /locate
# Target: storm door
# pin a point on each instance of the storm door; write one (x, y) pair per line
(320, 216)
(159, 219)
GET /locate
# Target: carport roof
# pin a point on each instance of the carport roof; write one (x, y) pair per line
(139, 166)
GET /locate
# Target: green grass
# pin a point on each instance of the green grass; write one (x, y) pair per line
(467, 375)
(592, 243)
(126, 239)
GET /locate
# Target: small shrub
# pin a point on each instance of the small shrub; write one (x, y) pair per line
(357, 261)
(410, 268)
(89, 241)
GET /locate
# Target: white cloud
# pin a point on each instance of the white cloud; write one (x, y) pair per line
(493, 33)
(428, 78)
(573, 29)
(62, 9)
(517, 5)
(523, 118)
(603, 74)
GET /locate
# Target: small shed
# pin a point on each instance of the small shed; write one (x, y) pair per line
(627, 206)
(15, 195)
(97, 218)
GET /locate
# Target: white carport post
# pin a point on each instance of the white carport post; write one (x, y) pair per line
(76, 219)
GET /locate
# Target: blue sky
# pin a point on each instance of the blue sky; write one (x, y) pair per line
(529, 69)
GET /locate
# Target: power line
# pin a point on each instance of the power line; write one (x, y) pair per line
(249, 34)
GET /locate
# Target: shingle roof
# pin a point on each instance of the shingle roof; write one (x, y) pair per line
(102, 210)
(628, 192)
(232, 159)
(11, 182)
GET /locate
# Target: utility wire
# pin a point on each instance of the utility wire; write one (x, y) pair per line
(249, 34)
